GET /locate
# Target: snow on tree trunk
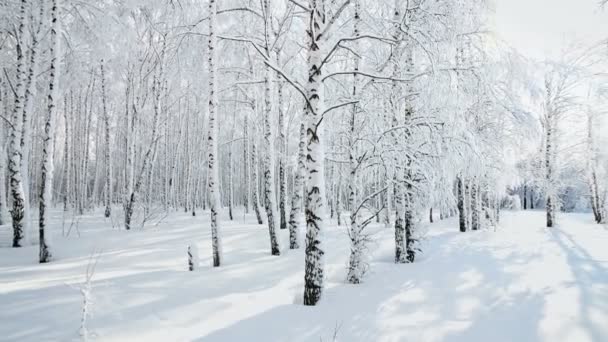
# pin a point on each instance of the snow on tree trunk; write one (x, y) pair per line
(550, 203)
(462, 215)
(270, 200)
(66, 157)
(16, 152)
(269, 194)
(246, 193)
(594, 191)
(230, 187)
(296, 199)
(108, 161)
(410, 241)
(255, 198)
(213, 176)
(46, 182)
(315, 175)
(356, 266)
(149, 155)
(400, 239)
(474, 205)
(467, 201)
(282, 155)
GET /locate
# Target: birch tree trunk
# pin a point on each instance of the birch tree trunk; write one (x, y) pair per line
(296, 199)
(246, 193)
(594, 192)
(255, 181)
(462, 215)
(282, 156)
(230, 185)
(315, 182)
(108, 161)
(66, 158)
(46, 182)
(269, 194)
(474, 205)
(356, 267)
(269, 184)
(16, 153)
(549, 206)
(213, 176)
(28, 110)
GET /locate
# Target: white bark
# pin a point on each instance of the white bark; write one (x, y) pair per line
(46, 183)
(315, 175)
(213, 176)
(16, 151)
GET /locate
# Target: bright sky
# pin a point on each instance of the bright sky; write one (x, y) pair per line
(541, 28)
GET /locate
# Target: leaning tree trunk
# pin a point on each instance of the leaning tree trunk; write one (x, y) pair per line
(149, 156)
(16, 152)
(46, 182)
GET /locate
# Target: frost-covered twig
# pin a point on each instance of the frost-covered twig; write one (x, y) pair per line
(85, 290)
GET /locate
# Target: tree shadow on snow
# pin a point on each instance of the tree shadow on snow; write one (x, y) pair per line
(457, 294)
(587, 273)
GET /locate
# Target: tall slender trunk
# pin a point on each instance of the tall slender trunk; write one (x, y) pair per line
(269, 184)
(462, 214)
(594, 191)
(108, 160)
(282, 155)
(269, 194)
(255, 181)
(474, 205)
(356, 266)
(213, 176)
(549, 157)
(150, 154)
(16, 152)
(400, 239)
(315, 175)
(409, 219)
(66, 157)
(296, 199)
(230, 185)
(46, 182)
(28, 111)
(246, 181)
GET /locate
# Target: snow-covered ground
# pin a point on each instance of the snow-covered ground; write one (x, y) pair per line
(520, 283)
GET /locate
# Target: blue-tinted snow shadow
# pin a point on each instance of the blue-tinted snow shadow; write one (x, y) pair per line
(587, 272)
(458, 292)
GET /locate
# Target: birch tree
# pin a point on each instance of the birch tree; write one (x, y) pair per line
(46, 183)
(212, 140)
